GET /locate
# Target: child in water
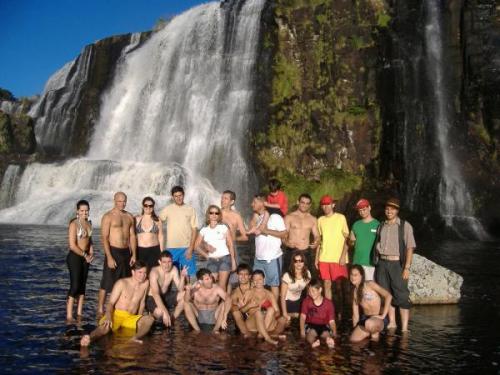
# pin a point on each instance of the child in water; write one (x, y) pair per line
(317, 317)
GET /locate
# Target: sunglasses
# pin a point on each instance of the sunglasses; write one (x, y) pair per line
(214, 213)
(298, 261)
(148, 205)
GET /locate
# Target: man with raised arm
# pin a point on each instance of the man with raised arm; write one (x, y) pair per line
(300, 225)
(161, 296)
(119, 243)
(238, 297)
(268, 243)
(125, 308)
(182, 228)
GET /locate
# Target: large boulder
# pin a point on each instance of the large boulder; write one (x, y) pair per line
(432, 284)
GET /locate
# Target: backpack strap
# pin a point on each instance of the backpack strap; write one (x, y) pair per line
(402, 245)
(374, 255)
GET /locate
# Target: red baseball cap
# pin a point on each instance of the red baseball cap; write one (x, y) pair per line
(326, 200)
(362, 203)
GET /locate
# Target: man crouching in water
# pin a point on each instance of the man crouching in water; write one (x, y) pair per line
(161, 297)
(125, 307)
(205, 302)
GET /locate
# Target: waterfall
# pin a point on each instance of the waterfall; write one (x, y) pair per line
(9, 184)
(178, 112)
(455, 200)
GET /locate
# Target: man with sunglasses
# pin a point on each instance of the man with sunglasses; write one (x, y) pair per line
(182, 227)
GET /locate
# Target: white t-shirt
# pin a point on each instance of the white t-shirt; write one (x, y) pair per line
(295, 289)
(216, 237)
(268, 247)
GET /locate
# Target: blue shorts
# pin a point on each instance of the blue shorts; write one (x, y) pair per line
(271, 268)
(179, 260)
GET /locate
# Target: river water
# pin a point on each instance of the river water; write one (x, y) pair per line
(34, 338)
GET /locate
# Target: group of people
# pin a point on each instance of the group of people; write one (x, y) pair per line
(300, 270)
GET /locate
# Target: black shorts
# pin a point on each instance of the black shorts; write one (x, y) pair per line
(149, 255)
(110, 276)
(319, 328)
(364, 318)
(169, 300)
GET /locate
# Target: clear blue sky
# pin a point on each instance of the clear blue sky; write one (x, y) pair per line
(37, 37)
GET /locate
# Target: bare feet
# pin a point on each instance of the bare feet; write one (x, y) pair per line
(137, 341)
(282, 337)
(375, 336)
(85, 341)
(69, 320)
(273, 342)
(392, 326)
(315, 344)
(330, 342)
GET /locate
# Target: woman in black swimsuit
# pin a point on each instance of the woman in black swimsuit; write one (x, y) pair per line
(81, 254)
(149, 232)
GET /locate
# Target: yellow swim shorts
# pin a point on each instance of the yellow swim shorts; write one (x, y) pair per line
(123, 319)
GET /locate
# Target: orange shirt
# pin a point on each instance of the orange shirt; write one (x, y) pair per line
(281, 199)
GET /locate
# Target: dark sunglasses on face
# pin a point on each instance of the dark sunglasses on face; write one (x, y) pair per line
(148, 205)
(298, 261)
(214, 213)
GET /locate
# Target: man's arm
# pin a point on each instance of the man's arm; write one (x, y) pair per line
(194, 237)
(241, 229)
(315, 233)
(156, 293)
(179, 281)
(132, 240)
(409, 258)
(115, 295)
(105, 229)
(229, 243)
(143, 300)
(302, 324)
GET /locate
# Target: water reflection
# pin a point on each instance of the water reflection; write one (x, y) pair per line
(443, 339)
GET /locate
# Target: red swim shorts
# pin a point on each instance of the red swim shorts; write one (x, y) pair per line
(332, 271)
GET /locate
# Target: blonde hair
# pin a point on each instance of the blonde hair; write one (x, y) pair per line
(207, 214)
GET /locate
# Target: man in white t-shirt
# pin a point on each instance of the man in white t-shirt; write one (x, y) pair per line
(268, 243)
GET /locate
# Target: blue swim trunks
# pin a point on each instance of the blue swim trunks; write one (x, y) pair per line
(179, 260)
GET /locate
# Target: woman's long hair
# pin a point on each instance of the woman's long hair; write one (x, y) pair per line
(359, 291)
(153, 213)
(291, 268)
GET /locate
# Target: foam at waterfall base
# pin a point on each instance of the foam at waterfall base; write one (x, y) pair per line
(97, 181)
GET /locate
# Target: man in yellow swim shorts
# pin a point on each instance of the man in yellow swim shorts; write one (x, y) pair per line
(125, 308)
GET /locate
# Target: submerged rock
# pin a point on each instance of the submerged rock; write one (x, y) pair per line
(432, 284)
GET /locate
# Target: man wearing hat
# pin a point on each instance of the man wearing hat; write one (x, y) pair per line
(362, 237)
(331, 255)
(395, 245)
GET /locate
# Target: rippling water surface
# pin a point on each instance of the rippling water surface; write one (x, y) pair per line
(34, 337)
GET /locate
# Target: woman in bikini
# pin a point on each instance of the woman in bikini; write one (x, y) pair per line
(263, 311)
(81, 254)
(368, 295)
(149, 232)
(294, 283)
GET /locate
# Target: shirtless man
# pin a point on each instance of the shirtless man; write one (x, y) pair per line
(160, 296)
(234, 221)
(368, 295)
(243, 271)
(263, 311)
(205, 302)
(300, 224)
(120, 245)
(125, 308)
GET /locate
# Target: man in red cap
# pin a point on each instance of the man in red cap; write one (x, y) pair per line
(362, 237)
(395, 245)
(331, 255)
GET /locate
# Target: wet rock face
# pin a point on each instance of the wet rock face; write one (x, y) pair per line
(70, 104)
(432, 284)
(16, 134)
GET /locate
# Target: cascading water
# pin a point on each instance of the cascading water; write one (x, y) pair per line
(178, 112)
(455, 200)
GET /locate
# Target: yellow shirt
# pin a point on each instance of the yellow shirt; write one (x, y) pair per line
(333, 230)
(180, 222)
